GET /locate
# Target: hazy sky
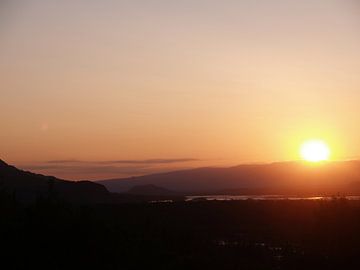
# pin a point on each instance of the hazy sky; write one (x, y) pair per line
(93, 89)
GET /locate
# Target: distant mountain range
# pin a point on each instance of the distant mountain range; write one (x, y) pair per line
(285, 177)
(27, 187)
(277, 178)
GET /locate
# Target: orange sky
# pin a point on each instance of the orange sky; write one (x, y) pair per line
(100, 89)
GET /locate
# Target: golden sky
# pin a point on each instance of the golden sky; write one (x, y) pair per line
(99, 89)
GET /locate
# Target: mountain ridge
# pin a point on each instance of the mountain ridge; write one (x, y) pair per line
(279, 175)
(28, 186)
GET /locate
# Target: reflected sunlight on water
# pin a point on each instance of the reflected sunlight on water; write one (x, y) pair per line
(263, 198)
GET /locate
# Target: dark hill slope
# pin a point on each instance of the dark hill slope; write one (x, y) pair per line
(27, 186)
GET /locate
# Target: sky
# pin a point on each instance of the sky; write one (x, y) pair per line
(113, 88)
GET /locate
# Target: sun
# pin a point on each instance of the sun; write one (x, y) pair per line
(315, 151)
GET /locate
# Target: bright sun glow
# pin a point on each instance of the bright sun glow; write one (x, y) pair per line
(315, 151)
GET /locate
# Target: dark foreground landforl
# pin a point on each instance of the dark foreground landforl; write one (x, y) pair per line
(183, 235)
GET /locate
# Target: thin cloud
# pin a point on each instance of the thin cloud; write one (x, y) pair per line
(62, 161)
(80, 169)
(124, 161)
(150, 161)
(127, 170)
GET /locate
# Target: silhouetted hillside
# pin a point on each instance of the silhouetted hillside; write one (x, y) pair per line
(275, 177)
(27, 186)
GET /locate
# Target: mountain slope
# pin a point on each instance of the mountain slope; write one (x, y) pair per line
(27, 186)
(275, 176)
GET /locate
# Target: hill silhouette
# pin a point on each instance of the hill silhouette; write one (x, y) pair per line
(277, 178)
(27, 186)
(285, 177)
